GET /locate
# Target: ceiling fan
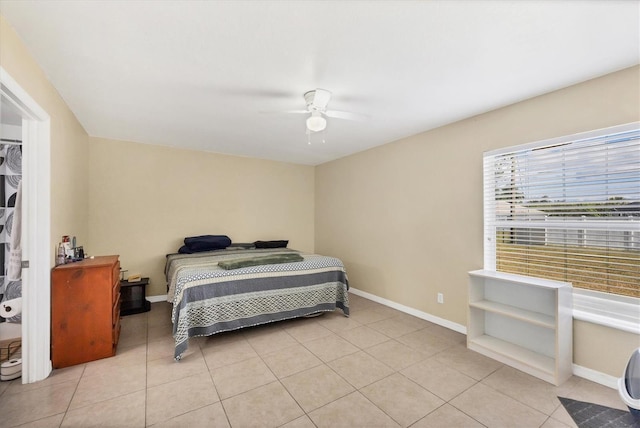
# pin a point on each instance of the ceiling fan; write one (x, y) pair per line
(317, 101)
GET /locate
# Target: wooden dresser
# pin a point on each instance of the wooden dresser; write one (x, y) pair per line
(85, 310)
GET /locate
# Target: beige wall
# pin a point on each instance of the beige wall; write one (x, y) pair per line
(69, 149)
(145, 199)
(603, 349)
(406, 217)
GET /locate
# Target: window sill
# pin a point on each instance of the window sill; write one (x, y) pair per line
(609, 310)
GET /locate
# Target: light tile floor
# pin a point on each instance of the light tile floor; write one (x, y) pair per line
(380, 367)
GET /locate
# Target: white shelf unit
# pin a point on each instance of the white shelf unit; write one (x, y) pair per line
(523, 322)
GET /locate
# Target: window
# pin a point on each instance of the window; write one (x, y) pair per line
(567, 209)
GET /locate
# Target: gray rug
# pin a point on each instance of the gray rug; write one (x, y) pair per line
(589, 415)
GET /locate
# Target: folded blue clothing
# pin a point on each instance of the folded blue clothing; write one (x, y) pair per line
(185, 250)
(206, 243)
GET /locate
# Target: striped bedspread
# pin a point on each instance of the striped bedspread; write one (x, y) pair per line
(208, 299)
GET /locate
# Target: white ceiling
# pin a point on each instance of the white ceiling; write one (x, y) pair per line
(209, 75)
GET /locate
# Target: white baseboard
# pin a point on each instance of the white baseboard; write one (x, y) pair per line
(411, 311)
(159, 298)
(596, 376)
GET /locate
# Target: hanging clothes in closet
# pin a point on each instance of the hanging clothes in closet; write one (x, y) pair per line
(10, 178)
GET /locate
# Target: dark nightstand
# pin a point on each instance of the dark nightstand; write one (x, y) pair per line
(133, 295)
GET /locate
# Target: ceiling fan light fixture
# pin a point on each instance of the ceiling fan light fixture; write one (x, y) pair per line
(316, 123)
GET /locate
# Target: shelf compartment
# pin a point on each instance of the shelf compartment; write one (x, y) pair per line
(523, 359)
(535, 318)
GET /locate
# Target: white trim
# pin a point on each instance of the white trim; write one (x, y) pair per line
(407, 310)
(36, 234)
(158, 298)
(595, 376)
(609, 310)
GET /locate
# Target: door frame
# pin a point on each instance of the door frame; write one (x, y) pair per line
(36, 243)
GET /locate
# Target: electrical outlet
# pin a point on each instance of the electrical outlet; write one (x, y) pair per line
(440, 298)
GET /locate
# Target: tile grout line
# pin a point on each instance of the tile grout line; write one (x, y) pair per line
(75, 390)
(213, 382)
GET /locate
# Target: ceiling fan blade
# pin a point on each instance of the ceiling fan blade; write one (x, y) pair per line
(297, 111)
(286, 112)
(347, 115)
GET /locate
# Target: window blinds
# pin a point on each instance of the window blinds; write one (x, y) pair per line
(567, 209)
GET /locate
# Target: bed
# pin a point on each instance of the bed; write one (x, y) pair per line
(208, 299)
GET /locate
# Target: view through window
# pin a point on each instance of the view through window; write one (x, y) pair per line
(567, 209)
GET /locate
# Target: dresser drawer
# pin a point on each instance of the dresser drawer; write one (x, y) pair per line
(115, 292)
(116, 311)
(116, 334)
(115, 277)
